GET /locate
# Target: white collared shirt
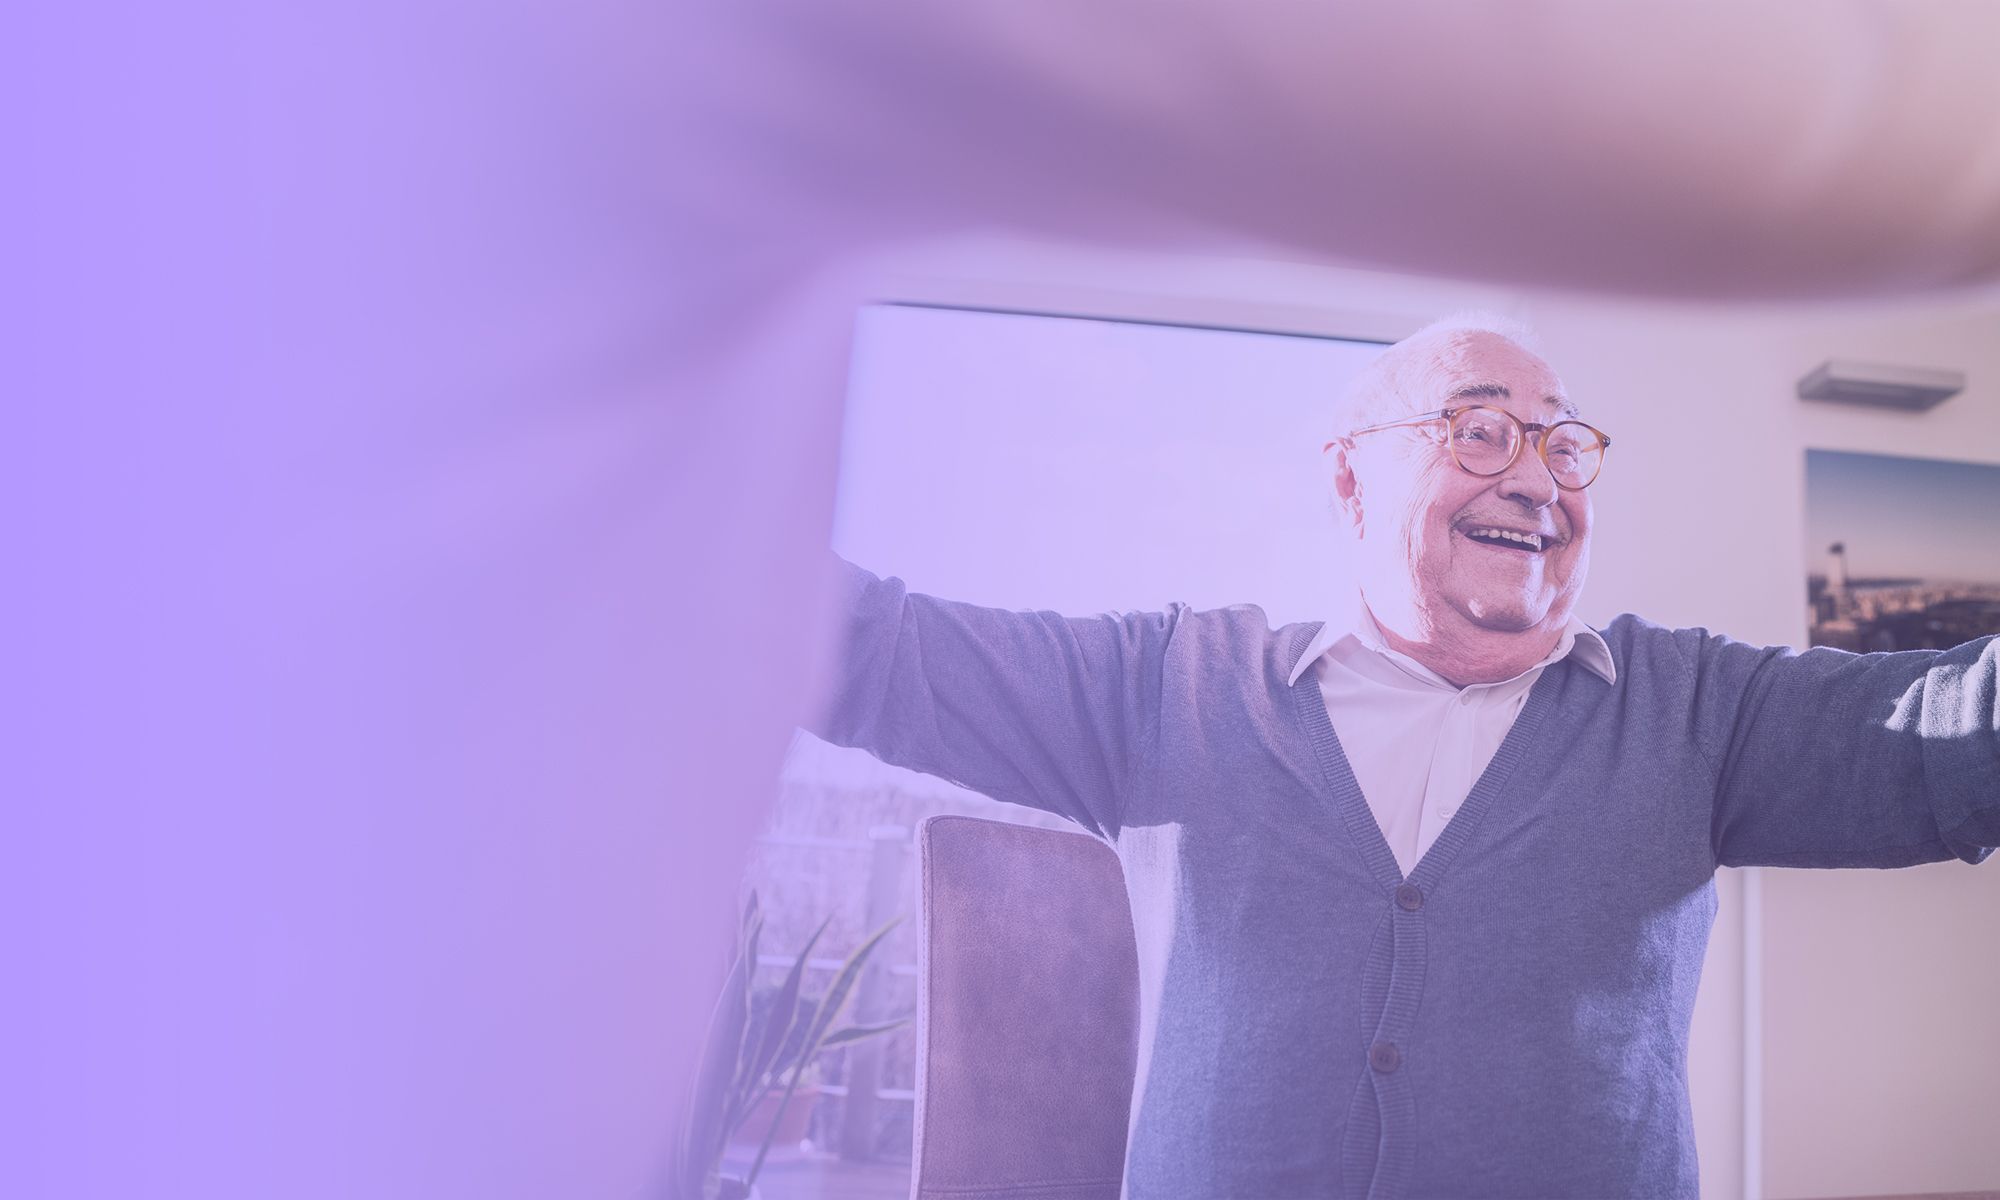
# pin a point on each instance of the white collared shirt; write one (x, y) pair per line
(1416, 743)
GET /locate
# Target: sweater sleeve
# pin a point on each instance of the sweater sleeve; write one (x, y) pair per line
(1825, 758)
(1032, 708)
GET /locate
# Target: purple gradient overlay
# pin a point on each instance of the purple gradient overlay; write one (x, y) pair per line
(430, 427)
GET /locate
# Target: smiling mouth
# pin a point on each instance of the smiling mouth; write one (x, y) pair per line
(1520, 543)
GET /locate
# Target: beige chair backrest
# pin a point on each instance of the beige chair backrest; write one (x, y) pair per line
(1028, 1014)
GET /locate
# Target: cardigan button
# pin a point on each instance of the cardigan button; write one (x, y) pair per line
(1409, 896)
(1384, 1057)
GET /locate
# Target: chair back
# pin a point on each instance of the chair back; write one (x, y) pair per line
(1028, 1003)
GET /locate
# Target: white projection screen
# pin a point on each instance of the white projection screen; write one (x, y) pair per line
(1081, 465)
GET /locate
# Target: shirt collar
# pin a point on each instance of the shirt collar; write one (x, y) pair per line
(1353, 620)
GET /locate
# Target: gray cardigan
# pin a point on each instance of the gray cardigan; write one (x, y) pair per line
(1512, 1018)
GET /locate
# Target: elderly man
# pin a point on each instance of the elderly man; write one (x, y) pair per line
(1422, 892)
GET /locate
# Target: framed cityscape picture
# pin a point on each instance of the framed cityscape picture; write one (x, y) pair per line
(1901, 553)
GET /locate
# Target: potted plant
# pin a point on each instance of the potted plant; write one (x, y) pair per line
(784, 1121)
(759, 1040)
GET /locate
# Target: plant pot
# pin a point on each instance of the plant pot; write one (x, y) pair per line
(732, 1189)
(791, 1128)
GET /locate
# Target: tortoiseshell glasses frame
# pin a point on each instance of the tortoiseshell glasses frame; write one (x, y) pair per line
(1598, 444)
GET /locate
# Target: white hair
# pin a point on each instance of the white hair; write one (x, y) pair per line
(1395, 383)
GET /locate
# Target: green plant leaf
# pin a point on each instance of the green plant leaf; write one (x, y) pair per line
(777, 1023)
(855, 1033)
(703, 1135)
(742, 986)
(836, 994)
(829, 1007)
(741, 1083)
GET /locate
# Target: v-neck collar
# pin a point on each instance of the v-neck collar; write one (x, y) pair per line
(1352, 804)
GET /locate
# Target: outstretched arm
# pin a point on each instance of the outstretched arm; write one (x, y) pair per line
(1824, 758)
(1057, 713)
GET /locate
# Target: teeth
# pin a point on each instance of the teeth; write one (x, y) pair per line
(1531, 540)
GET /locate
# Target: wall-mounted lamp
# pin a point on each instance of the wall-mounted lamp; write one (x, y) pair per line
(1912, 389)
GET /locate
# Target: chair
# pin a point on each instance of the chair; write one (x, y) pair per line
(1027, 1027)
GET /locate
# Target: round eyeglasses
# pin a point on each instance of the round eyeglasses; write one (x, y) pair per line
(1485, 440)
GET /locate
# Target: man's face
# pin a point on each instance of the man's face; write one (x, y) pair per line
(1422, 570)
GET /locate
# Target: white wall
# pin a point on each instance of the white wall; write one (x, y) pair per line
(1872, 1065)
(1895, 971)
(1879, 1058)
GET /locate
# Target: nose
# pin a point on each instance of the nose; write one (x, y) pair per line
(1528, 481)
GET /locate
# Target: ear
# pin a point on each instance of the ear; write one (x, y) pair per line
(1346, 484)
